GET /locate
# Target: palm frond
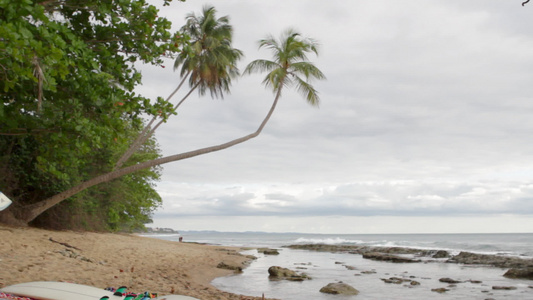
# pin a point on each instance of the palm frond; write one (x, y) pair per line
(275, 78)
(308, 69)
(260, 65)
(307, 91)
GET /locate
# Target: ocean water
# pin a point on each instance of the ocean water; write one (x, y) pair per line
(366, 275)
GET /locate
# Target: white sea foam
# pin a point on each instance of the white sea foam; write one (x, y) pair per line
(328, 241)
(404, 244)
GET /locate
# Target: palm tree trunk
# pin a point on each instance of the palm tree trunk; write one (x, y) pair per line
(149, 134)
(32, 211)
(146, 133)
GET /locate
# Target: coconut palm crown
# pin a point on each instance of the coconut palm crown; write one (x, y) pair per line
(290, 65)
(210, 60)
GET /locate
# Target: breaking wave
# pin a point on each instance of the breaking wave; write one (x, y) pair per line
(329, 241)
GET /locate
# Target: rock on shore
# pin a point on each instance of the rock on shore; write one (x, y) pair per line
(279, 273)
(389, 257)
(492, 260)
(339, 289)
(268, 251)
(520, 273)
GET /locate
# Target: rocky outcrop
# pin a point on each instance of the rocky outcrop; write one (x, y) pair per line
(506, 288)
(441, 254)
(520, 273)
(449, 280)
(440, 290)
(427, 255)
(223, 265)
(353, 249)
(268, 251)
(395, 280)
(339, 289)
(398, 280)
(279, 273)
(389, 257)
(350, 267)
(491, 260)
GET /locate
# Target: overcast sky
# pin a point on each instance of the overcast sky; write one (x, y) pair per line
(425, 123)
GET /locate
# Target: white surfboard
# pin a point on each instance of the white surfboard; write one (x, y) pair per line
(175, 297)
(4, 201)
(52, 290)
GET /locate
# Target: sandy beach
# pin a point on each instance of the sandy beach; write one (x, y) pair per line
(114, 260)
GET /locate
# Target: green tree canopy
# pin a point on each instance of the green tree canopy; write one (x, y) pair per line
(67, 79)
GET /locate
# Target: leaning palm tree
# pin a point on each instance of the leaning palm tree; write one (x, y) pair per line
(289, 65)
(210, 64)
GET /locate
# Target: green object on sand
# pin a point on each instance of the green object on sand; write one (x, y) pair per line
(140, 296)
(120, 291)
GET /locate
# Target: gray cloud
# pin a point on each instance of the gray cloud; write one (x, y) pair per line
(426, 111)
(402, 198)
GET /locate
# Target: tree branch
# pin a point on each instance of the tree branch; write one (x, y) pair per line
(64, 244)
(148, 130)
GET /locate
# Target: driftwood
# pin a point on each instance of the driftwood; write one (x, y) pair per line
(64, 244)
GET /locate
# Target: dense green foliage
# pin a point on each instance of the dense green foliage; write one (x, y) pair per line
(68, 109)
